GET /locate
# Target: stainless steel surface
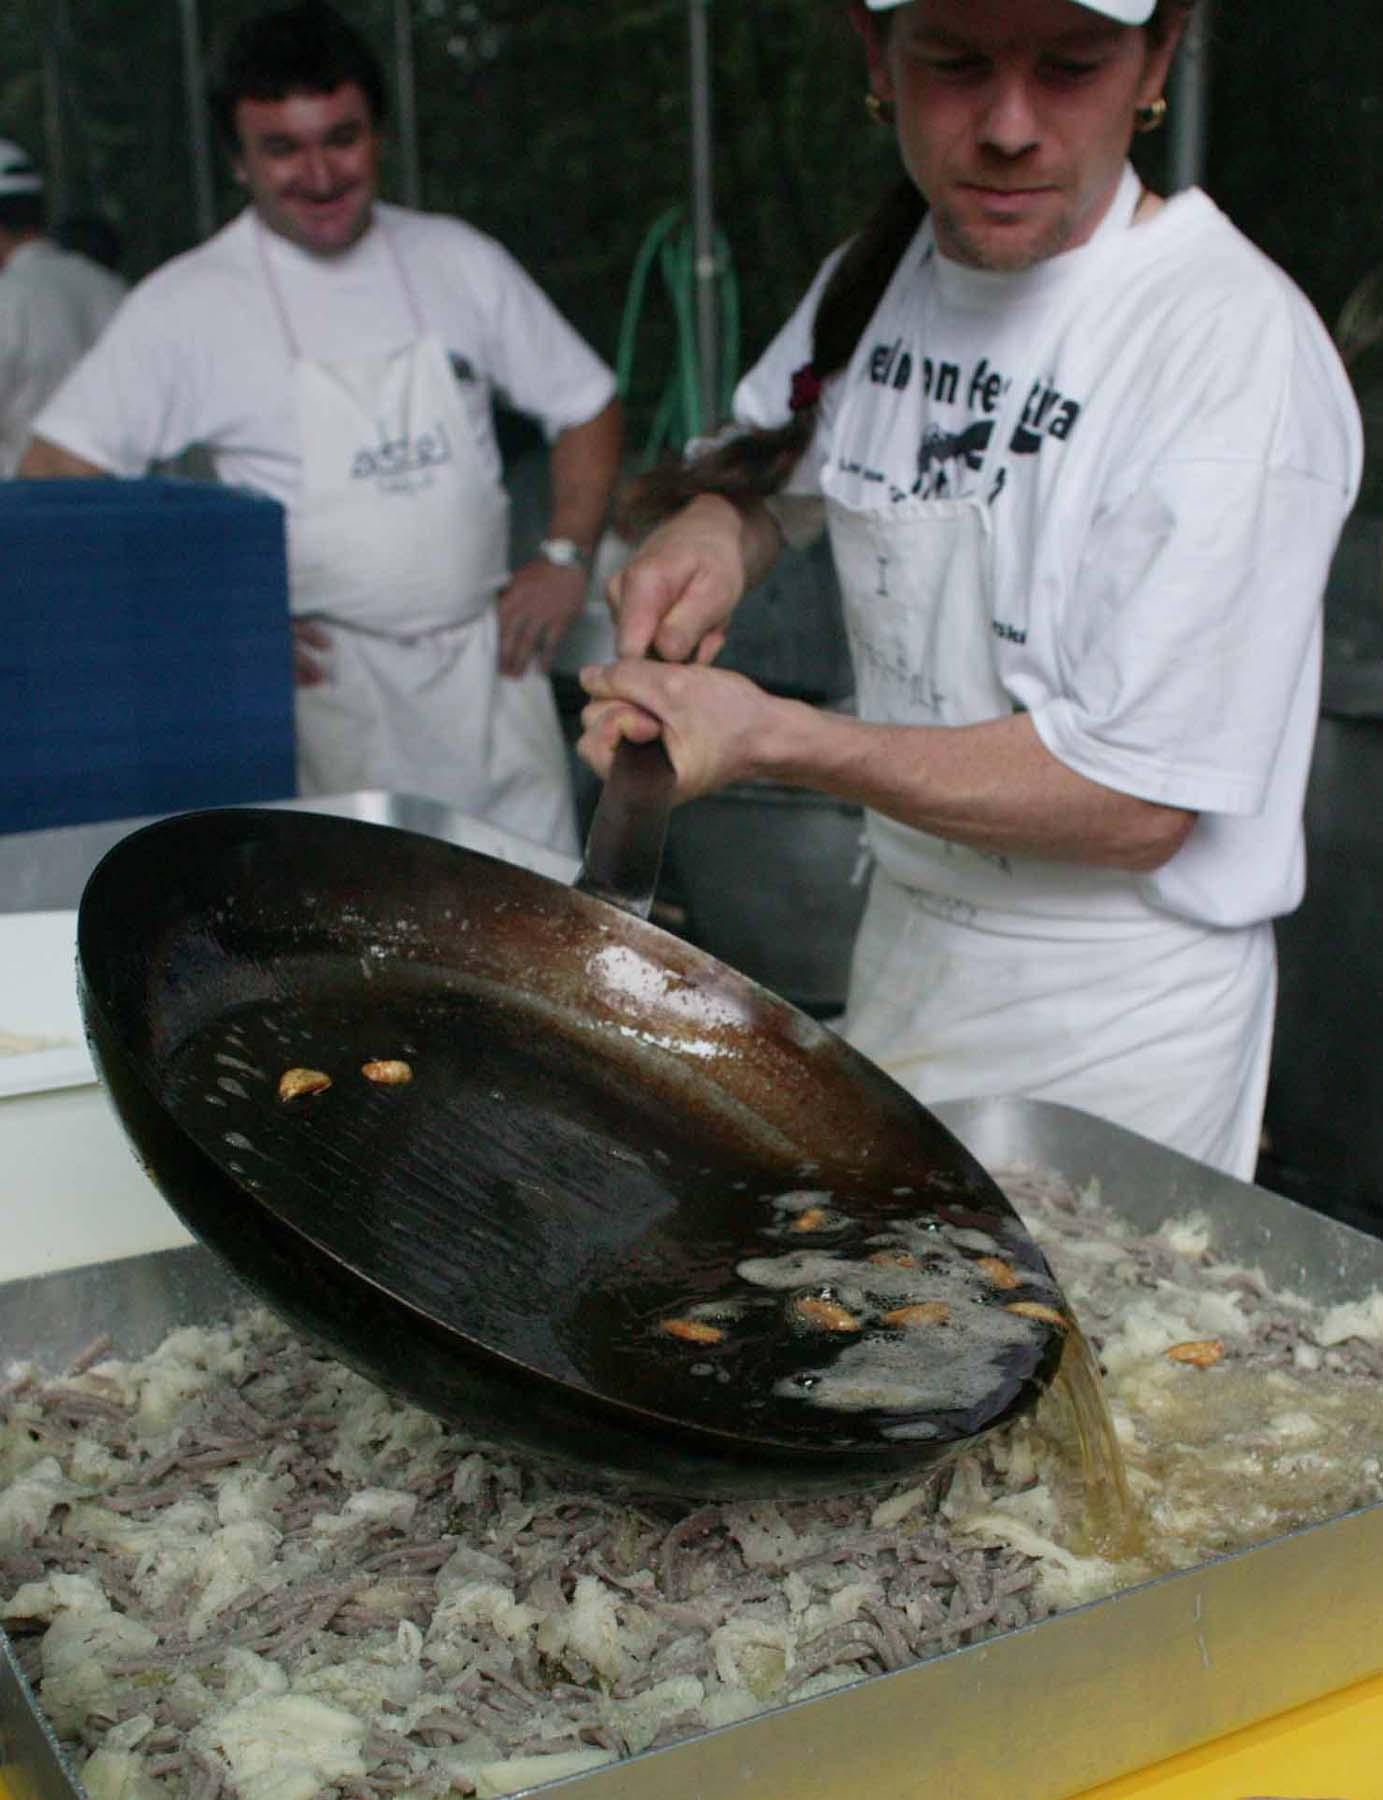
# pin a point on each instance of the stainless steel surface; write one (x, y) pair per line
(137, 1299)
(708, 348)
(198, 121)
(1146, 1183)
(406, 94)
(31, 1765)
(1044, 1712)
(624, 847)
(1189, 113)
(57, 134)
(46, 870)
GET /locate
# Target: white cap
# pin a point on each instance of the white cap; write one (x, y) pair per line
(1127, 12)
(17, 172)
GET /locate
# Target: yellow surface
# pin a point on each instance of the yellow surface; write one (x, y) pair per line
(1329, 1750)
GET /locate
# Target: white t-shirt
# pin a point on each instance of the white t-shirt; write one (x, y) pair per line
(202, 354)
(54, 304)
(1164, 512)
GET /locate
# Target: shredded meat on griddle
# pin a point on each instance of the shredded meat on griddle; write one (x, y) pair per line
(236, 1542)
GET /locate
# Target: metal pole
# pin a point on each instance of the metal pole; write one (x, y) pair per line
(703, 215)
(406, 87)
(198, 123)
(1190, 102)
(54, 111)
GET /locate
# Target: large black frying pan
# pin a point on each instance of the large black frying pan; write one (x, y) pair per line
(601, 1127)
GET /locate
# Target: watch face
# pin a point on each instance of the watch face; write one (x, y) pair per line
(563, 552)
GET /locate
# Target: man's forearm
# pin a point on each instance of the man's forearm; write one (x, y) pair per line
(584, 465)
(994, 787)
(761, 541)
(43, 460)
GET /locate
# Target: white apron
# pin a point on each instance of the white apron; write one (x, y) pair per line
(397, 546)
(978, 975)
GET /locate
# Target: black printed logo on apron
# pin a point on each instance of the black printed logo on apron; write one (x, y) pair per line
(402, 465)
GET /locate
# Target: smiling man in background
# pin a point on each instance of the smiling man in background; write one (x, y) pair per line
(339, 355)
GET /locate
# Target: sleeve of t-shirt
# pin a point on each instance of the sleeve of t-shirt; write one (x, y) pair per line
(134, 398)
(1197, 600)
(539, 363)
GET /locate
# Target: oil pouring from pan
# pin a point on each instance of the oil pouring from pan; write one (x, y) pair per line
(901, 1324)
(604, 1128)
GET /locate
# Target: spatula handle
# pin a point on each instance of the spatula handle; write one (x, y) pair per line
(624, 847)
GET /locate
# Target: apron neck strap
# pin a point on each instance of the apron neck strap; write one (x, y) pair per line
(416, 311)
(276, 290)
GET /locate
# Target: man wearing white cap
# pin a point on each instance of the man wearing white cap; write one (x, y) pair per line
(1083, 456)
(54, 304)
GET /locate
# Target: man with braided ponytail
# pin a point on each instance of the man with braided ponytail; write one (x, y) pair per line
(1083, 456)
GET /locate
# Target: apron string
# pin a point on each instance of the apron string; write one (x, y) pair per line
(419, 323)
(275, 292)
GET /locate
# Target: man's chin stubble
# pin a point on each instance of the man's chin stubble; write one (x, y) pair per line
(978, 252)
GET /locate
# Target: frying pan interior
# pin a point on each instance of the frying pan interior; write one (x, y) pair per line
(591, 1217)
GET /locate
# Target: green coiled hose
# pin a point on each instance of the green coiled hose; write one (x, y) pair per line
(678, 415)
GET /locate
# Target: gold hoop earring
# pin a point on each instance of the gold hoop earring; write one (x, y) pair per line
(1149, 117)
(880, 111)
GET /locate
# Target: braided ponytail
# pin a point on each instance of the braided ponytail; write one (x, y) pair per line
(757, 463)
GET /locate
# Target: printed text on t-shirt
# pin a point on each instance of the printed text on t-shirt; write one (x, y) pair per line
(950, 457)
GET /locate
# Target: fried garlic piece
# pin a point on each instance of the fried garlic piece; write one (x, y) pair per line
(1201, 1353)
(1034, 1309)
(294, 1083)
(894, 1259)
(825, 1315)
(692, 1331)
(922, 1312)
(999, 1272)
(388, 1073)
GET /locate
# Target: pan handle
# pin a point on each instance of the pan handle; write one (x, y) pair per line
(624, 846)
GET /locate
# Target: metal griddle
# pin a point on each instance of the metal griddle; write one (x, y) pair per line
(1046, 1711)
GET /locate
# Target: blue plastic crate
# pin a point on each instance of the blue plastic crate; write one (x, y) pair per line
(145, 651)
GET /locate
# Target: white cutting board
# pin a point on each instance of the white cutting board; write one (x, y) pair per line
(71, 1190)
(38, 998)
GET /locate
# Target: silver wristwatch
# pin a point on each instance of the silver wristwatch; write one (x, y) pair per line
(565, 553)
